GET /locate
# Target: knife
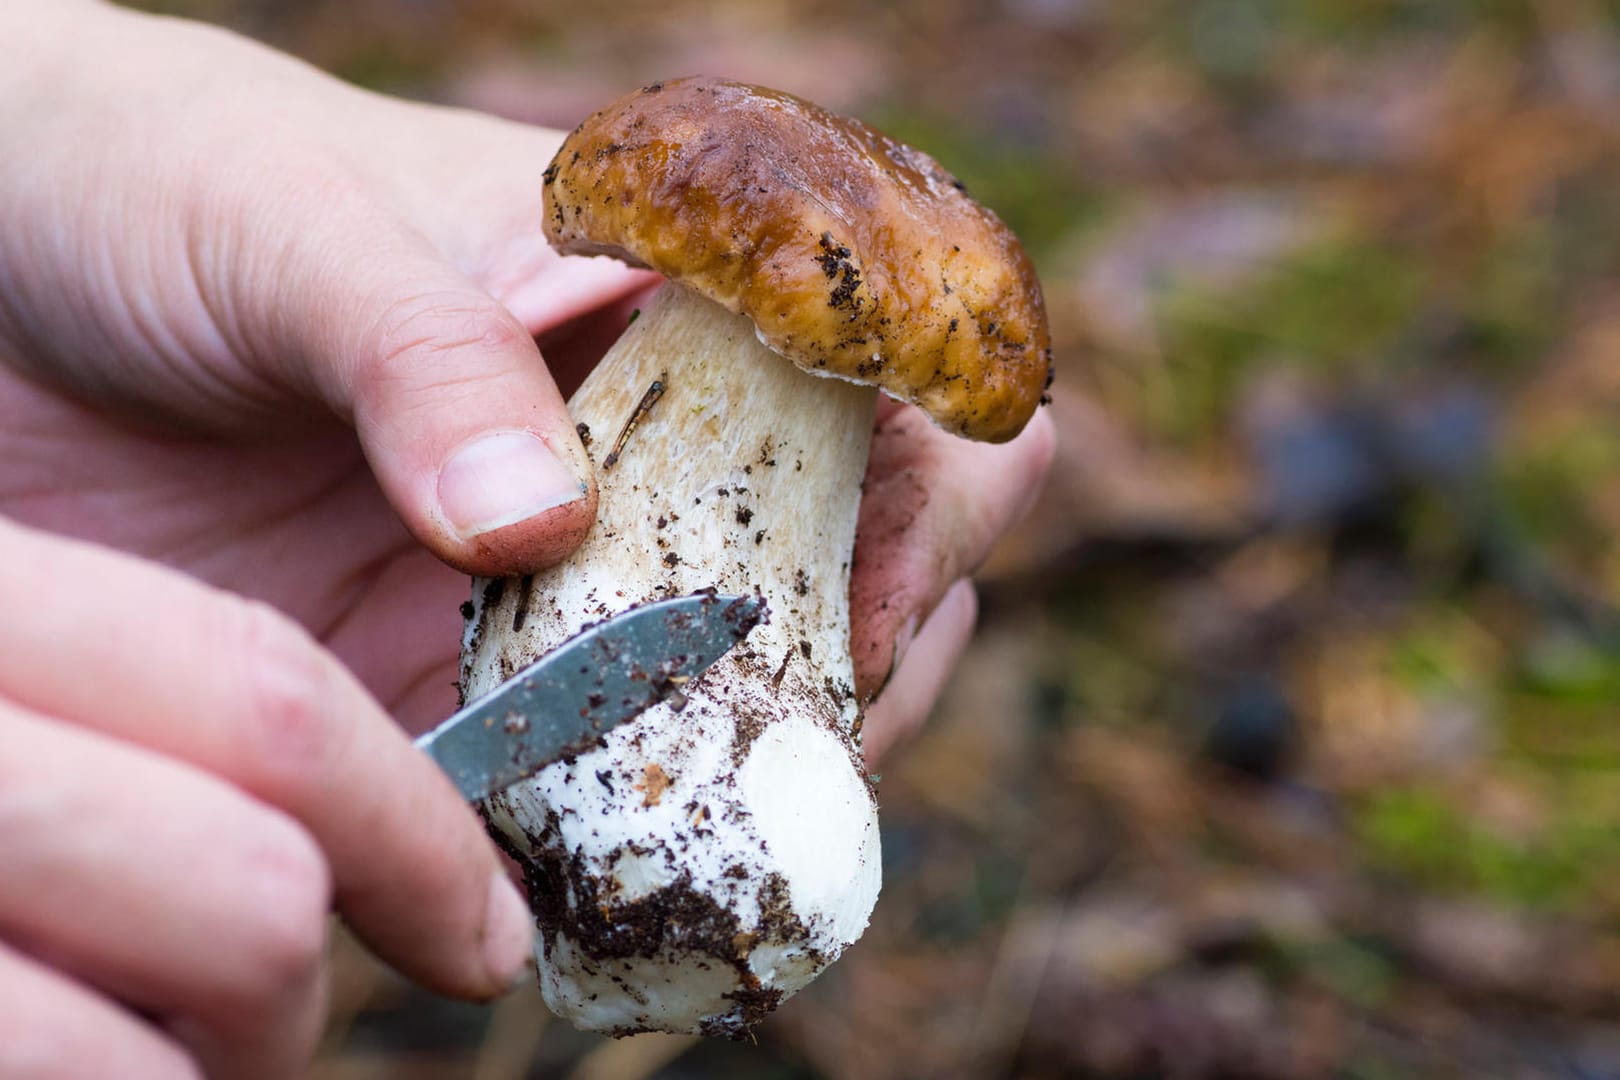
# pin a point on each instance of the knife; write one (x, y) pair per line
(564, 702)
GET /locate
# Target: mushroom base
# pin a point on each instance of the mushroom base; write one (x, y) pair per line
(716, 853)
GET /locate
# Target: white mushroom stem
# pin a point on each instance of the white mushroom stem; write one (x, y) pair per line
(710, 860)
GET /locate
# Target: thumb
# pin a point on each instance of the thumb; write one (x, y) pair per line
(458, 415)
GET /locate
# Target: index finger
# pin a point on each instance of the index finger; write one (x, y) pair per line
(146, 654)
(932, 506)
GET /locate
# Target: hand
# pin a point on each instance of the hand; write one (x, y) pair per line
(212, 262)
(252, 321)
(932, 507)
(187, 783)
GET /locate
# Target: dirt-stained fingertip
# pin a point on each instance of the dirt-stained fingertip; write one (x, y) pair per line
(524, 547)
(501, 478)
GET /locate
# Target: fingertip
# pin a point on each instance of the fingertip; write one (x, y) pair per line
(461, 421)
(513, 502)
(499, 478)
(528, 546)
(508, 935)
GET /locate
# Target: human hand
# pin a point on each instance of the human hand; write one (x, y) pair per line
(209, 239)
(212, 260)
(187, 783)
(217, 268)
(932, 507)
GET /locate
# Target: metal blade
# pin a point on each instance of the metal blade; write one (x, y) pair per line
(569, 698)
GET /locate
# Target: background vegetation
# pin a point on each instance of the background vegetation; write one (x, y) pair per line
(1288, 747)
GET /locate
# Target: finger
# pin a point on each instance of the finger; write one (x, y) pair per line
(166, 889)
(144, 654)
(457, 413)
(482, 206)
(573, 349)
(931, 508)
(921, 670)
(52, 1028)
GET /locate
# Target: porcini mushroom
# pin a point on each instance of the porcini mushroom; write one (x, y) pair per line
(718, 852)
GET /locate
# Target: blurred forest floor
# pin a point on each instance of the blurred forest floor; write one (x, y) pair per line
(1288, 746)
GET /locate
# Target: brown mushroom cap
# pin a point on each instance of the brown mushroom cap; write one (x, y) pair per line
(854, 255)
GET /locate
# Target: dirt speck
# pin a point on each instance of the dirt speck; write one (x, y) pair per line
(654, 782)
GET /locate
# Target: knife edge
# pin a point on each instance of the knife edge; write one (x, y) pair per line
(563, 703)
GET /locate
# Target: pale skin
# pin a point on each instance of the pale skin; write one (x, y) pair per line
(250, 318)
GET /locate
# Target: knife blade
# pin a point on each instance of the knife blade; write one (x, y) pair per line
(573, 695)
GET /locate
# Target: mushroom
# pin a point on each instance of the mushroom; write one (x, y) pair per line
(714, 855)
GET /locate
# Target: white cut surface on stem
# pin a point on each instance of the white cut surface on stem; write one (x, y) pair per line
(706, 862)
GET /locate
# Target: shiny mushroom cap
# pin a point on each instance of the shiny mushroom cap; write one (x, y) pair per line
(855, 256)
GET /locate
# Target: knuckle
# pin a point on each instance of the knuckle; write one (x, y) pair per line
(287, 690)
(419, 336)
(288, 889)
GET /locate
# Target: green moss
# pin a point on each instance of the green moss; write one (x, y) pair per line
(1546, 489)
(1424, 837)
(1432, 658)
(1337, 309)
